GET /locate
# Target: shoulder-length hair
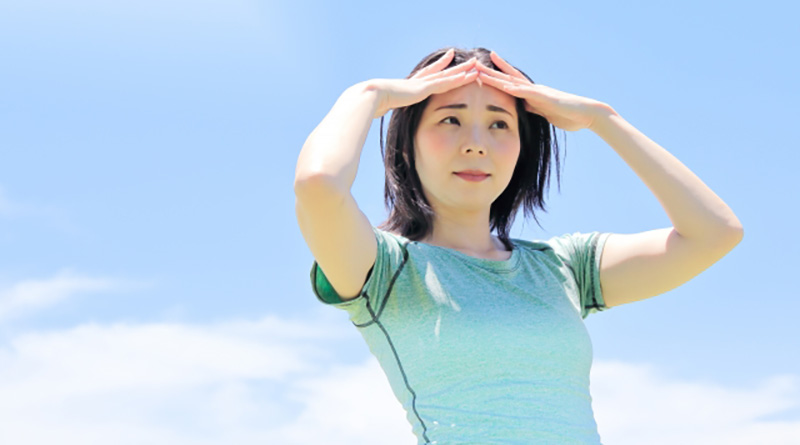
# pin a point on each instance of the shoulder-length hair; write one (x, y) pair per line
(411, 215)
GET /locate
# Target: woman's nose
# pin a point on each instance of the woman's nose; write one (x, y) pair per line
(473, 149)
(474, 145)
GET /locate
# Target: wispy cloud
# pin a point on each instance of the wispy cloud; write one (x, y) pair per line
(636, 404)
(31, 295)
(269, 381)
(283, 381)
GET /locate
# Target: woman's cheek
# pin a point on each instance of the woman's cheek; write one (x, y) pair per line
(436, 141)
(511, 147)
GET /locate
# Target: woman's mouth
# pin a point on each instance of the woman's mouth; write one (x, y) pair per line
(472, 177)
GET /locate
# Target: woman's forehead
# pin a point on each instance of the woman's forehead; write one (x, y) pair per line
(473, 94)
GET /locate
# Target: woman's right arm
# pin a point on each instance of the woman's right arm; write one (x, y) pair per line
(329, 218)
(338, 233)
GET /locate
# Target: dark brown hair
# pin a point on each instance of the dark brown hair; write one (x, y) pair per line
(411, 215)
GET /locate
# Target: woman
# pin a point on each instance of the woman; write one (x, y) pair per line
(482, 336)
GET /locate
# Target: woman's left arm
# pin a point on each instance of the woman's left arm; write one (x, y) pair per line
(637, 266)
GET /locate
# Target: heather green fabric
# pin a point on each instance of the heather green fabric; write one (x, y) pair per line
(483, 351)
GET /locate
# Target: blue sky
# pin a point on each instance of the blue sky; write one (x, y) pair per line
(153, 281)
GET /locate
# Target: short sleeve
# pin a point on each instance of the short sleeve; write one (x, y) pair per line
(391, 256)
(581, 253)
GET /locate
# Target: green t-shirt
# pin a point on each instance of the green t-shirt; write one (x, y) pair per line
(478, 350)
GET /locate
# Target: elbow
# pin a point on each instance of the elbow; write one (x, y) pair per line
(731, 233)
(738, 234)
(736, 231)
(730, 237)
(305, 180)
(317, 188)
(722, 240)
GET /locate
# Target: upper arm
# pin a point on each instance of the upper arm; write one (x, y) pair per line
(338, 234)
(637, 266)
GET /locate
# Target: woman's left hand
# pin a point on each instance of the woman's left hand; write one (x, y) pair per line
(566, 111)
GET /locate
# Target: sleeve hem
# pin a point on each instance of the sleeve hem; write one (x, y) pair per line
(597, 253)
(324, 292)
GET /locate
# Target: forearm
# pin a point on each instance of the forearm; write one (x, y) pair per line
(332, 151)
(695, 210)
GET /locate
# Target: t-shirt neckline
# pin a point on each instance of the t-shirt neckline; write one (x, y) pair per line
(494, 265)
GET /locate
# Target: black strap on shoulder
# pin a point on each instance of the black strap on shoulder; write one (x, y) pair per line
(388, 291)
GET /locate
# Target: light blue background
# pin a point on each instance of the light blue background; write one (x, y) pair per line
(154, 143)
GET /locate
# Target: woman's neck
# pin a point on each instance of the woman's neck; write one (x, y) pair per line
(474, 240)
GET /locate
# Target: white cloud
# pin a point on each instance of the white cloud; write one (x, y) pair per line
(635, 404)
(239, 382)
(348, 405)
(30, 295)
(284, 382)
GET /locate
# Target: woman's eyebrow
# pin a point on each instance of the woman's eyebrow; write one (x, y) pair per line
(488, 107)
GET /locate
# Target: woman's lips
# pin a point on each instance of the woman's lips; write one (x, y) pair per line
(472, 177)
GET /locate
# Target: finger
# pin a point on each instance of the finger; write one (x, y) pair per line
(468, 65)
(512, 88)
(443, 84)
(505, 66)
(494, 81)
(438, 64)
(492, 72)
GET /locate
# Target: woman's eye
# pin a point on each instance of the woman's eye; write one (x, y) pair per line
(449, 117)
(505, 125)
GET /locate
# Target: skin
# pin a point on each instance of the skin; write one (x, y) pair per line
(450, 140)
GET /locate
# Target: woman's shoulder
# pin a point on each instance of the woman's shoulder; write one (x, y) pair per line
(391, 234)
(391, 243)
(533, 244)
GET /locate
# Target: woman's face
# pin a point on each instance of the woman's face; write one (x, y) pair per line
(477, 130)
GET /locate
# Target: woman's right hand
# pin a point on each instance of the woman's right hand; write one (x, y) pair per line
(397, 93)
